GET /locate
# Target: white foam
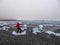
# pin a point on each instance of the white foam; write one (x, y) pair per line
(14, 33)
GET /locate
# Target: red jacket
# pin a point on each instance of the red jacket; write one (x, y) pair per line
(18, 25)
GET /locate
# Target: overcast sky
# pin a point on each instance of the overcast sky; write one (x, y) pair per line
(30, 9)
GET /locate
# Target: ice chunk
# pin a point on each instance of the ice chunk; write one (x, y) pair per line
(5, 27)
(57, 34)
(49, 32)
(22, 28)
(41, 27)
(0, 28)
(25, 26)
(14, 33)
(35, 30)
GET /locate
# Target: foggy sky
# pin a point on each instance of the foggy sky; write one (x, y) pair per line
(30, 9)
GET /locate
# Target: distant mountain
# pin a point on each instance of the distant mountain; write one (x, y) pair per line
(8, 20)
(40, 22)
(34, 21)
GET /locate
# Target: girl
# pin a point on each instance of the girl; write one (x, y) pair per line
(18, 26)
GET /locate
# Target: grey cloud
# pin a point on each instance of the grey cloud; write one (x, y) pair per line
(30, 9)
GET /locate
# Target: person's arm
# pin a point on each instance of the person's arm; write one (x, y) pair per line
(21, 24)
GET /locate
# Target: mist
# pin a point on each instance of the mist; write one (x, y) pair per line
(30, 9)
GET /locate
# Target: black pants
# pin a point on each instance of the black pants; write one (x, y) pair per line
(19, 30)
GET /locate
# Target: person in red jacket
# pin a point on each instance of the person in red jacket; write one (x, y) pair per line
(18, 26)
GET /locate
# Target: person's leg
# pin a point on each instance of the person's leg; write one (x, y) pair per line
(17, 30)
(20, 30)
